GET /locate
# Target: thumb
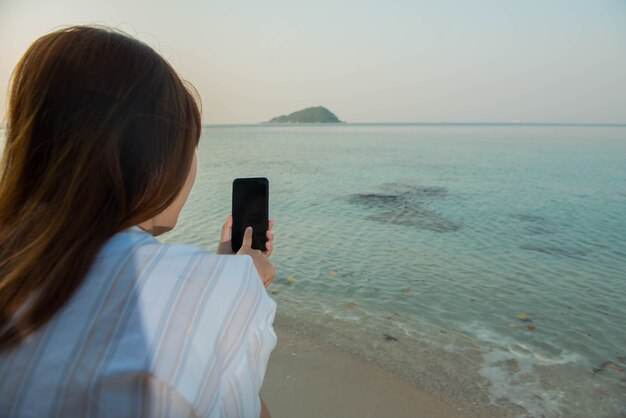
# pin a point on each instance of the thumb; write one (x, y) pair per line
(247, 238)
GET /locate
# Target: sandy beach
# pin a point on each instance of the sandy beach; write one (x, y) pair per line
(311, 376)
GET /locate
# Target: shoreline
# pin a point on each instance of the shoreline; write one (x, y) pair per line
(315, 371)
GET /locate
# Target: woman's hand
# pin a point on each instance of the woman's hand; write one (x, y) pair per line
(225, 247)
(263, 266)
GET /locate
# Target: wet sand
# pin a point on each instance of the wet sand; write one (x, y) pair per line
(310, 376)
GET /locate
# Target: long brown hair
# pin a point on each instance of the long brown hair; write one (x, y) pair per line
(100, 136)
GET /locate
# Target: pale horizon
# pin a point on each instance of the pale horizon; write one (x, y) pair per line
(368, 62)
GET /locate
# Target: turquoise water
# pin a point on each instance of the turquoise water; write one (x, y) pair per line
(459, 227)
(512, 237)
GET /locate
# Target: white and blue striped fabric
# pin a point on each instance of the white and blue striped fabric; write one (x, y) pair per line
(156, 330)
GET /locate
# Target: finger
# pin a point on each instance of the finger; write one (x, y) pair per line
(247, 238)
(227, 229)
(271, 224)
(224, 248)
(269, 243)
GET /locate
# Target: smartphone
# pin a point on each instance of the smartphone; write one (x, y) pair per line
(250, 208)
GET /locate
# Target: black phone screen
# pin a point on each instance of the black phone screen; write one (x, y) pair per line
(250, 208)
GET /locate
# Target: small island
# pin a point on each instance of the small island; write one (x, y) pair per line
(316, 114)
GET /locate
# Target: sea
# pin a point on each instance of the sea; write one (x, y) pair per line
(494, 252)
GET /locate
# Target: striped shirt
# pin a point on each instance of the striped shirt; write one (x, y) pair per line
(156, 330)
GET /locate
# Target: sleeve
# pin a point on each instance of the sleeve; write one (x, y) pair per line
(247, 343)
(213, 337)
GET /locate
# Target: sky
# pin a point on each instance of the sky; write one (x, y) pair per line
(367, 61)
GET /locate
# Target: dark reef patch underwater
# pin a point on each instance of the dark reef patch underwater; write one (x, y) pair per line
(402, 204)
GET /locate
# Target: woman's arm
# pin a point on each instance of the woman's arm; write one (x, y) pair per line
(265, 413)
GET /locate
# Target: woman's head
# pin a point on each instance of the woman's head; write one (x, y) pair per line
(101, 135)
(98, 118)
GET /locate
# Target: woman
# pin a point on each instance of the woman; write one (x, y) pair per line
(97, 317)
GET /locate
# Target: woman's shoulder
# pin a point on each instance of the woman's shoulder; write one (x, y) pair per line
(179, 283)
(160, 268)
(136, 242)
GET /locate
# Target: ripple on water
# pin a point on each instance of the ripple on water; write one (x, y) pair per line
(553, 250)
(528, 218)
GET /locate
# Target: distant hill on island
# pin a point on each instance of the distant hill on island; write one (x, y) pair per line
(316, 114)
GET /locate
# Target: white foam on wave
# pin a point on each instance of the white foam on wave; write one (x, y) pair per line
(513, 371)
(336, 314)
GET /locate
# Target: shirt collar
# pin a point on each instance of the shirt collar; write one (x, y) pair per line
(126, 238)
